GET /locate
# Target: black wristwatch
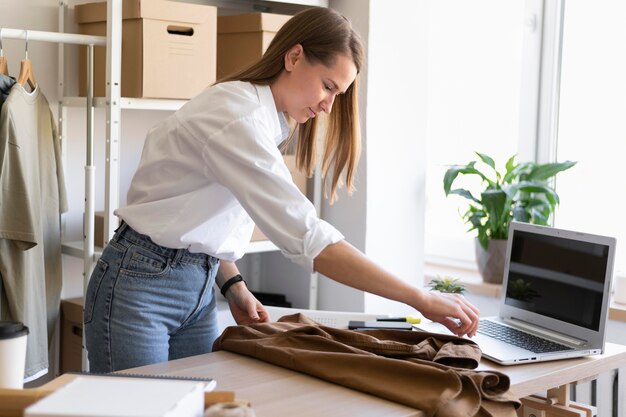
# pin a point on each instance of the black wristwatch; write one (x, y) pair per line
(229, 283)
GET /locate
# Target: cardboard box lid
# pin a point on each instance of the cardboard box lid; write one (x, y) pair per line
(146, 9)
(73, 309)
(251, 22)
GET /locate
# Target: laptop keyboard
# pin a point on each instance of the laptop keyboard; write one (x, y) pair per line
(518, 338)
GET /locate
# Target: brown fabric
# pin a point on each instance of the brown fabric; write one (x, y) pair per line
(429, 372)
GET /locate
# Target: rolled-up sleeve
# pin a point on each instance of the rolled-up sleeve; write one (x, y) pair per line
(244, 158)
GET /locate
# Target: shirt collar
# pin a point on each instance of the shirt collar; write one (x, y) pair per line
(280, 122)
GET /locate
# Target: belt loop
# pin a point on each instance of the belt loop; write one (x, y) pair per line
(121, 228)
(177, 257)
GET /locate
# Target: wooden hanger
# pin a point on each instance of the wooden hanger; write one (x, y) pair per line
(4, 68)
(26, 70)
(26, 74)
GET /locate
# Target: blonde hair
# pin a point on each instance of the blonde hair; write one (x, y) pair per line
(323, 34)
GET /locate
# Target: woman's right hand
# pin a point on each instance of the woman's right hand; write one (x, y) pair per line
(451, 310)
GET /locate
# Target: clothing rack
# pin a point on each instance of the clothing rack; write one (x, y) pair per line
(54, 37)
(89, 41)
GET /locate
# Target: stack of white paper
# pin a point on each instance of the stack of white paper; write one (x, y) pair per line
(128, 397)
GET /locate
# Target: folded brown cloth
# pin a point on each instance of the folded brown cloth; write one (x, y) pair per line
(430, 372)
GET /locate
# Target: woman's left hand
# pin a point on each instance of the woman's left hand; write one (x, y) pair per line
(244, 306)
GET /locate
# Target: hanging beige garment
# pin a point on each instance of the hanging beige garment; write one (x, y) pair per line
(32, 197)
(429, 372)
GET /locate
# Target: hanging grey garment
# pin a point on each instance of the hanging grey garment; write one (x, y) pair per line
(6, 83)
(32, 196)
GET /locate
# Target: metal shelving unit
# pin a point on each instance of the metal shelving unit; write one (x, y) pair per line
(127, 103)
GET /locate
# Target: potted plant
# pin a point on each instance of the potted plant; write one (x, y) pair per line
(522, 193)
(446, 284)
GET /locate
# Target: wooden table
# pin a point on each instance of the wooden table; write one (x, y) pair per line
(275, 391)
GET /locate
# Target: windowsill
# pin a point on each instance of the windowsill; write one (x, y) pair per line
(617, 311)
(469, 277)
(474, 284)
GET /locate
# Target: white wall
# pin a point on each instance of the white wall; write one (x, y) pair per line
(385, 215)
(396, 125)
(349, 213)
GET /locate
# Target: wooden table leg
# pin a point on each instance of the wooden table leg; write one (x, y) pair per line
(557, 404)
(559, 395)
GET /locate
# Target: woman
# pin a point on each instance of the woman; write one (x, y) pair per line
(212, 169)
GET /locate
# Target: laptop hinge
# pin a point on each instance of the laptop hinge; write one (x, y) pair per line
(543, 332)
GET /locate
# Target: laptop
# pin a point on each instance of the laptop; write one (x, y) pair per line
(555, 297)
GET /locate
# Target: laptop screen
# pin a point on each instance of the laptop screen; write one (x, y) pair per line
(557, 277)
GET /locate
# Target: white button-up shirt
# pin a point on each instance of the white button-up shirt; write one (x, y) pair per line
(213, 169)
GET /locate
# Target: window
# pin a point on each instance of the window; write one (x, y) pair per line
(474, 80)
(591, 121)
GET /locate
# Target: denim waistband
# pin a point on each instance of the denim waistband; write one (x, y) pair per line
(127, 233)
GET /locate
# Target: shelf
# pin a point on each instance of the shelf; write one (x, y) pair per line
(75, 248)
(128, 103)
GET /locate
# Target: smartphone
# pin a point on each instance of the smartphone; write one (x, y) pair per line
(378, 325)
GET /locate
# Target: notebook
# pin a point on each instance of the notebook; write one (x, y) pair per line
(123, 397)
(555, 297)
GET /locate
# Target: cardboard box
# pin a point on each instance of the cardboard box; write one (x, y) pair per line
(98, 232)
(98, 229)
(243, 39)
(71, 335)
(168, 48)
(299, 178)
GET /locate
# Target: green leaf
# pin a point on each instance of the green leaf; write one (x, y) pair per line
(512, 171)
(539, 188)
(483, 239)
(494, 203)
(524, 169)
(474, 217)
(510, 164)
(539, 217)
(487, 160)
(454, 170)
(466, 194)
(545, 171)
(535, 202)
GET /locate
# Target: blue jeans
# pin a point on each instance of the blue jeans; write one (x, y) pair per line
(146, 304)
